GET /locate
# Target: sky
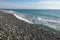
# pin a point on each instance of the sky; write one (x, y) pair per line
(30, 4)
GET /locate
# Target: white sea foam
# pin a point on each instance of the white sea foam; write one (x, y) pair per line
(6, 11)
(48, 20)
(21, 18)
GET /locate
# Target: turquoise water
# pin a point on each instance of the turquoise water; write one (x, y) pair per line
(47, 17)
(39, 12)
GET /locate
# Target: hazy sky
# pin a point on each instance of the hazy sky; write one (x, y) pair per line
(30, 4)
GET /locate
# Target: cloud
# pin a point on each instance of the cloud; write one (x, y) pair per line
(32, 5)
(17, 6)
(49, 4)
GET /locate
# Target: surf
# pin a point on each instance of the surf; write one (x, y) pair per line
(50, 22)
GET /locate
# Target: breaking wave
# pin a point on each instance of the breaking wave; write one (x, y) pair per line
(20, 16)
(51, 22)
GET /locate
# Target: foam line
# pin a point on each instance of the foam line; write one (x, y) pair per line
(21, 18)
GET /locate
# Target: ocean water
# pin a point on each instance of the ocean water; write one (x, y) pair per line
(50, 18)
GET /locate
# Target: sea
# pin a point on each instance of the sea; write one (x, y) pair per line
(46, 17)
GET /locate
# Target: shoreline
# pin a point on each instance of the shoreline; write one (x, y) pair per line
(18, 17)
(12, 28)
